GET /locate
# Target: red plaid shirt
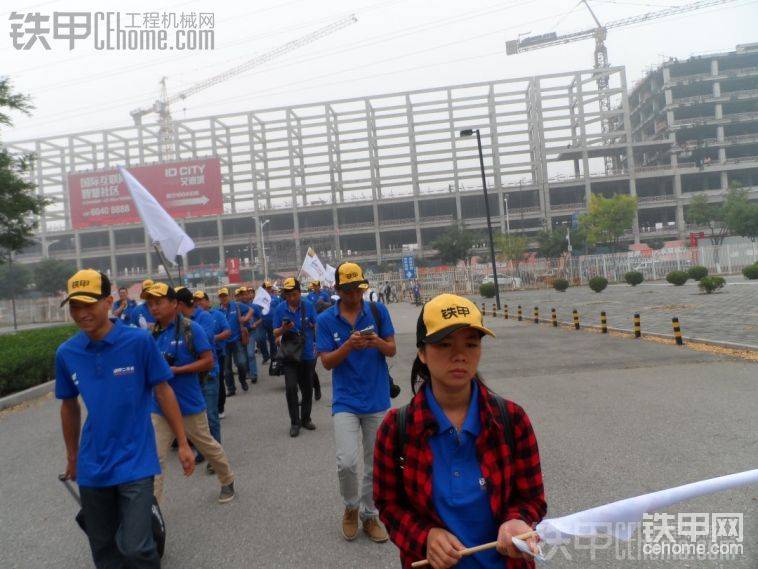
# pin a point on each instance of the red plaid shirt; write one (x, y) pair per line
(514, 482)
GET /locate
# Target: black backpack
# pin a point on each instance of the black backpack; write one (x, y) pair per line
(394, 387)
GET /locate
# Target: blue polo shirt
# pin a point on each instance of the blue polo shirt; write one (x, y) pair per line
(269, 318)
(115, 377)
(283, 309)
(314, 296)
(459, 492)
(232, 312)
(208, 325)
(186, 386)
(126, 315)
(360, 384)
(141, 316)
(220, 323)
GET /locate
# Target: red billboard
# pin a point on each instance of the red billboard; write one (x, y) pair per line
(190, 188)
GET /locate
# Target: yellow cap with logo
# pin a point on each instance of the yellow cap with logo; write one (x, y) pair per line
(290, 284)
(223, 291)
(240, 290)
(314, 284)
(160, 290)
(349, 276)
(146, 284)
(201, 294)
(445, 314)
(88, 286)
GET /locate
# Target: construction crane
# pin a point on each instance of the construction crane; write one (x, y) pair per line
(600, 32)
(162, 107)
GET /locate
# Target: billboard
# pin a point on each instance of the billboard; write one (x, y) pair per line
(190, 188)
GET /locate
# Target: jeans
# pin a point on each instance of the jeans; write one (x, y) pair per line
(261, 341)
(119, 525)
(234, 351)
(299, 375)
(210, 391)
(252, 365)
(349, 429)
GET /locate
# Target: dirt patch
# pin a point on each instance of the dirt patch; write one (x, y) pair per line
(670, 307)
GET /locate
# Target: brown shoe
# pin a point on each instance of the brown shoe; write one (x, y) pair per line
(350, 524)
(375, 530)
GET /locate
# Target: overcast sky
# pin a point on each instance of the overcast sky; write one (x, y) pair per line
(397, 45)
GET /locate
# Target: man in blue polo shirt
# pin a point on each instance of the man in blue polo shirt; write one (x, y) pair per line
(246, 332)
(221, 332)
(186, 348)
(268, 321)
(294, 319)
(115, 369)
(355, 346)
(141, 317)
(234, 348)
(124, 307)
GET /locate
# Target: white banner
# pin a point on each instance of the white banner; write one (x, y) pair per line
(329, 278)
(312, 266)
(263, 299)
(160, 225)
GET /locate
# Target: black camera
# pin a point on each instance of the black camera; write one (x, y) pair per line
(394, 388)
(170, 359)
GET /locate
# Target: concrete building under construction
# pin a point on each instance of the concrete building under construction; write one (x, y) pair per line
(373, 178)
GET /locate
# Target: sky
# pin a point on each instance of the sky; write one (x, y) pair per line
(396, 45)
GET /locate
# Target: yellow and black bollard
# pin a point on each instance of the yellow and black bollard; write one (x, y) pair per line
(677, 331)
(484, 309)
(603, 323)
(576, 319)
(505, 311)
(554, 317)
(536, 314)
(519, 314)
(637, 326)
(494, 310)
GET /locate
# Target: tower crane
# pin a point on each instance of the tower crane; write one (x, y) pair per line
(162, 106)
(600, 32)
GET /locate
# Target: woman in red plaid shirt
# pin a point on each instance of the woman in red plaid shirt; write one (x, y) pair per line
(465, 475)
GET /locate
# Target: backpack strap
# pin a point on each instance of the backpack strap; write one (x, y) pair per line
(377, 316)
(505, 421)
(401, 438)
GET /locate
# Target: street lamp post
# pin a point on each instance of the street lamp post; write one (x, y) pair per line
(263, 251)
(507, 217)
(469, 132)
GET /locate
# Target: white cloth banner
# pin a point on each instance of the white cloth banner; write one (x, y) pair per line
(329, 278)
(263, 299)
(622, 516)
(160, 225)
(312, 266)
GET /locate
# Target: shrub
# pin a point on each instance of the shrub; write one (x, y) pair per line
(560, 285)
(598, 284)
(697, 272)
(487, 290)
(634, 278)
(28, 358)
(677, 278)
(751, 272)
(710, 284)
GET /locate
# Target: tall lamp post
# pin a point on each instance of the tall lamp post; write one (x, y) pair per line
(469, 132)
(263, 251)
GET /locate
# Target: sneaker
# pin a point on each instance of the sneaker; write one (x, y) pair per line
(222, 415)
(308, 425)
(199, 459)
(350, 524)
(245, 386)
(227, 493)
(254, 379)
(231, 393)
(265, 361)
(209, 469)
(373, 528)
(317, 392)
(294, 430)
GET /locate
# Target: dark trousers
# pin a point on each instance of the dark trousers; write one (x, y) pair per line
(237, 353)
(221, 383)
(299, 375)
(272, 347)
(119, 525)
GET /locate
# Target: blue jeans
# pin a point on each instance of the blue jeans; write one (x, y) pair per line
(210, 392)
(252, 365)
(235, 351)
(119, 525)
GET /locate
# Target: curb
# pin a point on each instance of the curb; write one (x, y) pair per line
(26, 395)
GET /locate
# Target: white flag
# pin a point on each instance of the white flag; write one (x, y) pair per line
(160, 225)
(312, 266)
(263, 299)
(329, 278)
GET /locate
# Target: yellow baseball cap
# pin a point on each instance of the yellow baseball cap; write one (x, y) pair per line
(240, 290)
(146, 284)
(88, 286)
(315, 284)
(160, 290)
(267, 284)
(445, 314)
(223, 291)
(200, 294)
(290, 284)
(349, 276)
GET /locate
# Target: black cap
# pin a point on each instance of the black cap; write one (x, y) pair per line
(184, 295)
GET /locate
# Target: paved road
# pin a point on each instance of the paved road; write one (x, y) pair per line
(614, 418)
(730, 315)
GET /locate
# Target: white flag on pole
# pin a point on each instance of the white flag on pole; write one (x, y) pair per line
(312, 266)
(160, 225)
(263, 299)
(329, 278)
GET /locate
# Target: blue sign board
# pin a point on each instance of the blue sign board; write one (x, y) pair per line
(409, 267)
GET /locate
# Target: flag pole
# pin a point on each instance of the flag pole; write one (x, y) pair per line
(162, 257)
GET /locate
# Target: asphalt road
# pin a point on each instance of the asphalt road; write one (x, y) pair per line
(614, 418)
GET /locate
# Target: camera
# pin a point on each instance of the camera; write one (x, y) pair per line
(394, 388)
(170, 358)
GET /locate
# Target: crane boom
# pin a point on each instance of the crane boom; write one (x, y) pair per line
(530, 43)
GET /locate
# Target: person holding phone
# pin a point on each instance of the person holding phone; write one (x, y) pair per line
(294, 322)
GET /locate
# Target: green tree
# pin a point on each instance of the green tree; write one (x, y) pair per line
(454, 245)
(608, 218)
(710, 215)
(511, 247)
(551, 243)
(50, 275)
(740, 215)
(14, 280)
